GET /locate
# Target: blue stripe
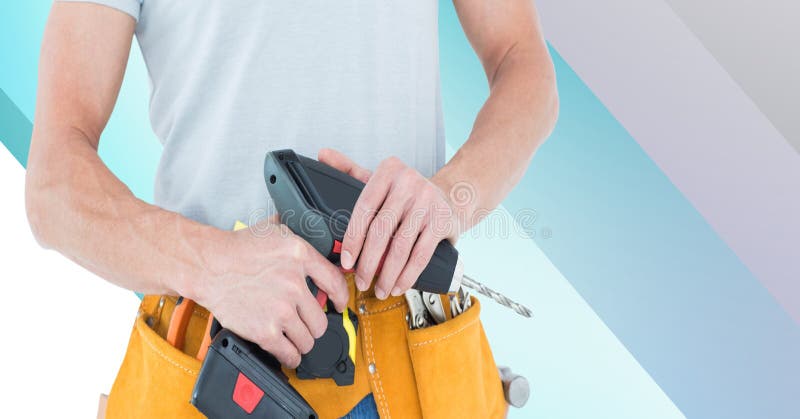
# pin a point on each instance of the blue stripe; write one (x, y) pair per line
(15, 129)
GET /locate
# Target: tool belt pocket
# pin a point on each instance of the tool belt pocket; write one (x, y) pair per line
(454, 369)
(156, 379)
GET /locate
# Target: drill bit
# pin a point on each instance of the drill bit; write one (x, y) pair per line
(494, 295)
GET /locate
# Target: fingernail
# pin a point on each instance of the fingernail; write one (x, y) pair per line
(396, 291)
(347, 259)
(380, 293)
(361, 284)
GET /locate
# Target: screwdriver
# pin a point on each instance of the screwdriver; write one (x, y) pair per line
(315, 201)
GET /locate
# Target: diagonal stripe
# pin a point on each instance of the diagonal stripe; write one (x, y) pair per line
(762, 59)
(15, 129)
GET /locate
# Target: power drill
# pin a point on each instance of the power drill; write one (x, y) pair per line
(315, 201)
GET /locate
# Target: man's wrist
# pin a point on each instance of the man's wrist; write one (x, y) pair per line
(202, 247)
(460, 194)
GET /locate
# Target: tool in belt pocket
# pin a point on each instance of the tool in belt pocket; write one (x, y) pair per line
(334, 353)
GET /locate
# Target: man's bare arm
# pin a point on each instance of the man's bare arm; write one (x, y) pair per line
(78, 207)
(522, 107)
(399, 213)
(75, 204)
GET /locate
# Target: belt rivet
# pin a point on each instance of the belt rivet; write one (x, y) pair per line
(372, 368)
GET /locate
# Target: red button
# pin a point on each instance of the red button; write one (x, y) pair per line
(246, 394)
(322, 297)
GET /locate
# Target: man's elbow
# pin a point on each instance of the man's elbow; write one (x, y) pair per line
(550, 109)
(37, 211)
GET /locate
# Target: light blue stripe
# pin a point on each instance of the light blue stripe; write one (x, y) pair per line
(15, 129)
(21, 29)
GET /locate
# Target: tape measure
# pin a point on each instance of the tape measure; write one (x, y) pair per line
(334, 353)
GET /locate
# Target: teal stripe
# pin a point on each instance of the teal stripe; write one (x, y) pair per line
(15, 129)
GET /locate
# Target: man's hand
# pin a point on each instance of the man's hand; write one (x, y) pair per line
(400, 214)
(256, 286)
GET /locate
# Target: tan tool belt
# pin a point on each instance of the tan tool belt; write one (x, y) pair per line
(446, 370)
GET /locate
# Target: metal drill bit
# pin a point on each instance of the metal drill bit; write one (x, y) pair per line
(494, 295)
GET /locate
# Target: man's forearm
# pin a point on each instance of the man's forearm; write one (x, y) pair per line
(93, 218)
(518, 116)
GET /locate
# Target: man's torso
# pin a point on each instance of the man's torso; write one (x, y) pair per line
(232, 80)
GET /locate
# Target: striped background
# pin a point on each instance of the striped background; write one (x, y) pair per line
(662, 262)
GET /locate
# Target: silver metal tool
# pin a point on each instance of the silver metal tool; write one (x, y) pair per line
(466, 300)
(455, 306)
(433, 303)
(496, 296)
(418, 315)
(515, 387)
(460, 301)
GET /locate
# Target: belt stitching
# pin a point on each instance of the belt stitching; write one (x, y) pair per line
(385, 309)
(165, 356)
(440, 338)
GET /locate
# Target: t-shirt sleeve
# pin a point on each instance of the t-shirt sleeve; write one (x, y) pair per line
(130, 7)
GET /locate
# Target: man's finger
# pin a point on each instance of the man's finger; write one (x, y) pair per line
(364, 212)
(419, 259)
(376, 244)
(312, 315)
(343, 163)
(398, 252)
(299, 335)
(328, 278)
(283, 350)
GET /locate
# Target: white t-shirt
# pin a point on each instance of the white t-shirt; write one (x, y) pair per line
(233, 79)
